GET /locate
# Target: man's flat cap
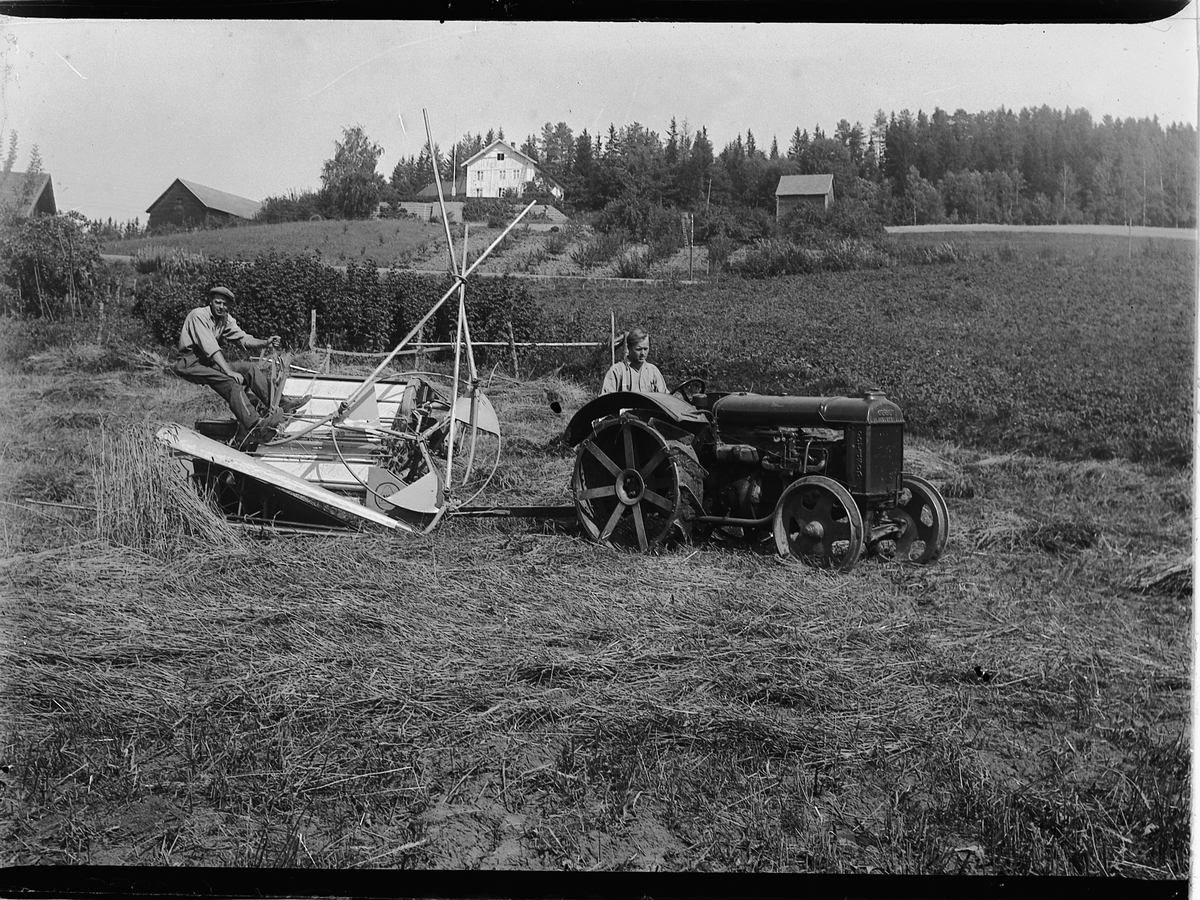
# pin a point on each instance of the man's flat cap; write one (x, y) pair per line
(223, 291)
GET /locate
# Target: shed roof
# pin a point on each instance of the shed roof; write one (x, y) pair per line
(448, 187)
(23, 190)
(221, 201)
(797, 185)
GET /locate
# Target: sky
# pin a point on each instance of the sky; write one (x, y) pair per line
(118, 109)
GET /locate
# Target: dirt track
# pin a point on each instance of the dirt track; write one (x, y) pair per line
(1138, 231)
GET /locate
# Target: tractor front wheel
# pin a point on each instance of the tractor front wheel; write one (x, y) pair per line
(818, 522)
(923, 520)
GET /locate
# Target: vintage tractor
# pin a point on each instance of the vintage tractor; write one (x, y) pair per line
(824, 476)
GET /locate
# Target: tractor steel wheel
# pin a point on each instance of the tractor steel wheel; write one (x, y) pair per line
(818, 522)
(925, 522)
(626, 485)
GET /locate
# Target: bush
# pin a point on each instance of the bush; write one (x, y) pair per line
(356, 310)
(632, 264)
(624, 216)
(163, 303)
(814, 226)
(925, 254)
(487, 209)
(599, 250)
(293, 207)
(768, 259)
(534, 258)
(50, 264)
(720, 248)
(741, 224)
(173, 262)
(558, 240)
(664, 233)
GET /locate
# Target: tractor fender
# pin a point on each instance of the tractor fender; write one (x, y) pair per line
(667, 406)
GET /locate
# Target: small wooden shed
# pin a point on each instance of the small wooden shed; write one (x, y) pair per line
(28, 193)
(796, 189)
(186, 204)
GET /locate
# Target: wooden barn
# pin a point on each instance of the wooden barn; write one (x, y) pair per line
(500, 170)
(28, 193)
(796, 189)
(186, 204)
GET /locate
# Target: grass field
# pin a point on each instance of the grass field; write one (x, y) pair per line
(421, 245)
(509, 695)
(389, 242)
(398, 242)
(1060, 346)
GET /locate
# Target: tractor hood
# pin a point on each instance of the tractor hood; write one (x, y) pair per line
(670, 407)
(769, 410)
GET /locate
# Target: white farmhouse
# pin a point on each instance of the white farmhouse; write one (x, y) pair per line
(500, 170)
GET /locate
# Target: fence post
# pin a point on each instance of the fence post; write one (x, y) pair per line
(312, 330)
(512, 348)
(612, 338)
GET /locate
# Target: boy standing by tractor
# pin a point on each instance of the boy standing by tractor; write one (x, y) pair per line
(634, 373)
(241, 384)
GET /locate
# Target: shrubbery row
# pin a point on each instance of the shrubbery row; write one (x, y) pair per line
(363, 308)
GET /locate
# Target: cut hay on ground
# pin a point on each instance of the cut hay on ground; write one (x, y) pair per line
(528, 661)
(145, 500)
(496, 696)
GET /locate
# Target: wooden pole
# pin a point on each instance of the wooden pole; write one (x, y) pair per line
(503, 343)
(458, 334)
(472, 372)
(612, 338)
(691, 242)
(361, 391)
(512, 349)
(312, 330)
(437, 180)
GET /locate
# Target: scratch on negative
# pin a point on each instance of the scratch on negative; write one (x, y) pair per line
(69, 66)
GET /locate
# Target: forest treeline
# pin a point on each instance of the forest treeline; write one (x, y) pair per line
(1036, 166)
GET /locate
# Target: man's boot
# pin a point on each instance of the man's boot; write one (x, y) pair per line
(291, 404)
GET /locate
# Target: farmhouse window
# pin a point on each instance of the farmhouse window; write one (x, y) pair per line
(500, 156)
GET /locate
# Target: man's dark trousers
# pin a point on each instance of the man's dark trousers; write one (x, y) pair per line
(189, 368)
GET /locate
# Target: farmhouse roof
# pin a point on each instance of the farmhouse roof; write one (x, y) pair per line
(508, 148)
(430, 190)
(804, 185)
(221, 201)
(24, 190)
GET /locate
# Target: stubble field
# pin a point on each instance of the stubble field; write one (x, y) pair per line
(508, 695)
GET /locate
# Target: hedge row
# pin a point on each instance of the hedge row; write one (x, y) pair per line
(362, 308)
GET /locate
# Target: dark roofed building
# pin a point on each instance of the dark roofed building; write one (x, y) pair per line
(449, 189)
(29, 193)
(186, 204)
(796, 189)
